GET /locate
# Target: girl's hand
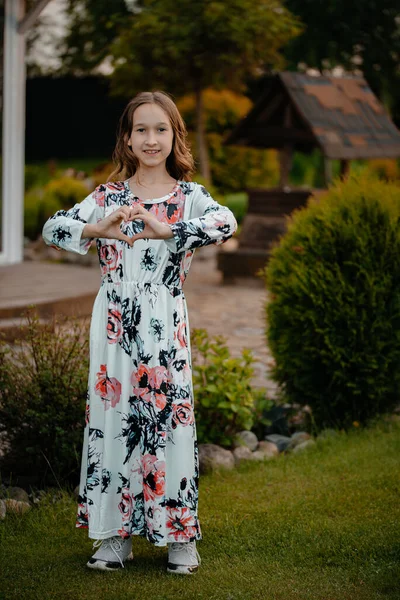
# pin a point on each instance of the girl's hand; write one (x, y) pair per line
(153, 229)
(110, 227)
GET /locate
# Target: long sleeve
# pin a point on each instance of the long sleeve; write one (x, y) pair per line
(64, 229)
(212, 223)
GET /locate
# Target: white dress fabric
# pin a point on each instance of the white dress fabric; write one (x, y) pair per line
(139, 470)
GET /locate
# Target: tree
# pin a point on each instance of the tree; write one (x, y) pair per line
(363, 35)
(93, 26)
(187, 46)
(233, 168)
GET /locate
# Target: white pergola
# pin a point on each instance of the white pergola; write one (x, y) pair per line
(16, 24)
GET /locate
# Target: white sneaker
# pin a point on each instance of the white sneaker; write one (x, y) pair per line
(110, 549)
(183, 558)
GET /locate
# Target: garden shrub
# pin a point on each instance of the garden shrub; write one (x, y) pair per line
(43, 386)
(384, 168)
(42, 203)
(333, 316)
(37, 209)
(33, 175)
(233, 168)
(224, 398)
(67, 191)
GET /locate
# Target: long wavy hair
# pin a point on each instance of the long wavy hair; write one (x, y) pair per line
(179, 164)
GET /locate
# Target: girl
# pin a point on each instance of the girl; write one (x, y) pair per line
(139, 470)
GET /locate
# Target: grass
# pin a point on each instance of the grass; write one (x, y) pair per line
(322, 525)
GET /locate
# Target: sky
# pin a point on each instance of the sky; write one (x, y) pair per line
(44, 50)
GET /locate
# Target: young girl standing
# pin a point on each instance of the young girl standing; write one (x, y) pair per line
(139, 471)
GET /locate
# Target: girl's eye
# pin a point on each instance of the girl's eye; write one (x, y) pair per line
(162, 129)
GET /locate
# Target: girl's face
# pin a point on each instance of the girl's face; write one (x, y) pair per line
(152, 135)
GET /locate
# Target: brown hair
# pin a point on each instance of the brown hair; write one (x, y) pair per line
(179, 165)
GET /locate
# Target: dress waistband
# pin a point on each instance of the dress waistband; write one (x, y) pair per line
(175, 290)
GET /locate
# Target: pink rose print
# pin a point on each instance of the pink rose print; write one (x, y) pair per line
(182, 414)
(181, 524)
(114, 324)
(153, 471)
(185, 265)
(180, 334)
(123, 533)
(125, 506)
(110, 258)
(172, 210)
(108, 388)
(99, 195)
(151, 384)
(115, 186)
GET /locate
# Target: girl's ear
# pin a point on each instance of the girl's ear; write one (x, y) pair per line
(127, 140)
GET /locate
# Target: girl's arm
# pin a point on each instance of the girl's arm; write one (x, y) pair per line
(65, 228)
(212, 223)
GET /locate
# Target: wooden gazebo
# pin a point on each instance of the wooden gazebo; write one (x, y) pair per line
(339, 115)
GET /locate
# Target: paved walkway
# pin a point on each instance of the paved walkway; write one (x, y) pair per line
(235, 311)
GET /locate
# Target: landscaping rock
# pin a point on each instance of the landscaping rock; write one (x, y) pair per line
(298, 438)
(247, 439)
(16, 493)
(3, 509)
(279, 424)
(281, 441)
(76, 492)
(242, 453)
(17, 507)
(268, 449)
(303, 446)
(213, 457)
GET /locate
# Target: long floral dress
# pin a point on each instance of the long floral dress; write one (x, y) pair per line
(139, 470)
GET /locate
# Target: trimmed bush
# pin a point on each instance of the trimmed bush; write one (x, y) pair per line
(42, 203)
(333, 316)
(43, 386)
(38, 207)
(67, 191)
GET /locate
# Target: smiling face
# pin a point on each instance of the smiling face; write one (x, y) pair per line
(152, 135)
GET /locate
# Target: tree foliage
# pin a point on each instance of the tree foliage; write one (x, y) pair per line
(93, 26)
(360, 36)
(185, 45)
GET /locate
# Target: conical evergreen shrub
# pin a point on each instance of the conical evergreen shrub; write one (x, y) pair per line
(333, 314)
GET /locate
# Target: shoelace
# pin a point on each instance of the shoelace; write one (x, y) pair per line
(114, 543)
(188, 547)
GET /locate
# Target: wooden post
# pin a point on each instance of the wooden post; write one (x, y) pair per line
(344, 168)
(286, 154)
(327, 171)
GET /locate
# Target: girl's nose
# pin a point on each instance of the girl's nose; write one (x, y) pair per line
(151, 140)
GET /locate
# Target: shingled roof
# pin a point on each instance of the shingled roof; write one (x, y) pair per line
(340, 115)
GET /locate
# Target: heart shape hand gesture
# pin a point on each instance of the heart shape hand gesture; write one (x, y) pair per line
(110, 227)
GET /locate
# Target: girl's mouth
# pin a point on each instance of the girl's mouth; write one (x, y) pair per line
(151, 151)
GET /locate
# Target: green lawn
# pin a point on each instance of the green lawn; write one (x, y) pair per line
(323, 525)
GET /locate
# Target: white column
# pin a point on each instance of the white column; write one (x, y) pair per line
(13, 151)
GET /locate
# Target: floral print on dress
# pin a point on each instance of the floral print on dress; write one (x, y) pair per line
(108, 388)
(139, 469)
